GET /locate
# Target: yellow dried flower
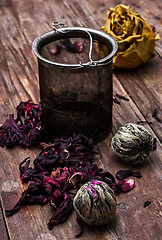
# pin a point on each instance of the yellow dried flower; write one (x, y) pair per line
(135, 38)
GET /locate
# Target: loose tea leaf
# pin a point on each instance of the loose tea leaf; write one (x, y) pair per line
(80, 227)
(154, 144)
(155, 115)
(147, 203)
(122, 97)
(144, 122)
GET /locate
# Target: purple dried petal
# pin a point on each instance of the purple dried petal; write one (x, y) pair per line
(49, 184)
(147, 203)
(53, 170)
(10, 133)
(62, 175)
(33, 137)
(136, 174)
(107, 177)
(25, 130)
(25, 171)
(25, 108)
(122, 174)
(32, 195)
(62, 213)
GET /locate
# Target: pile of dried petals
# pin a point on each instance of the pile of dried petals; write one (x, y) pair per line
(59, 170)
(75, 47)
(25, 130)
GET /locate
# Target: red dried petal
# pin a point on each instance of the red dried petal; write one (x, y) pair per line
(126, 185)
(62, 213)
(56, 50)
(123, 185)
(73, 46)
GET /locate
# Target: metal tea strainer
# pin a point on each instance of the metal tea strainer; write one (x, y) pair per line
(75, 97)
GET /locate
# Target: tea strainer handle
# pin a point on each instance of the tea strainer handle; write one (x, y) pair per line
(91, 62)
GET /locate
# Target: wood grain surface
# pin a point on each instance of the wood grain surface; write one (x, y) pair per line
(21, 22)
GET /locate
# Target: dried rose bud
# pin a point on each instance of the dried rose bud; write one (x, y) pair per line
(127, 185)
(123, 186)
(135, 38)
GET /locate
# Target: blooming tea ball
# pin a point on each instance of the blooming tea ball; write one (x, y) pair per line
(95, 203)
(132, 143)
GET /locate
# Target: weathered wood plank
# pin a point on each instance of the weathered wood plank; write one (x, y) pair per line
(3, 232)
(21, 22)
(39, 216)
(146, 91)
(131, 205)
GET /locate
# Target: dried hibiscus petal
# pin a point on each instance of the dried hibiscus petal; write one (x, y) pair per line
(58, 171)
(62, 213)
(73, 46)
(26, 172)
(26, 108)
(10, 133)
(32, 195)
(25, 130)
(122, 174)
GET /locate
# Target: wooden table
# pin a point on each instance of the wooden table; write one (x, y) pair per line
(21, 22)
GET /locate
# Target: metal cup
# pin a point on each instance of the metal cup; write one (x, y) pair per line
(76, 98)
